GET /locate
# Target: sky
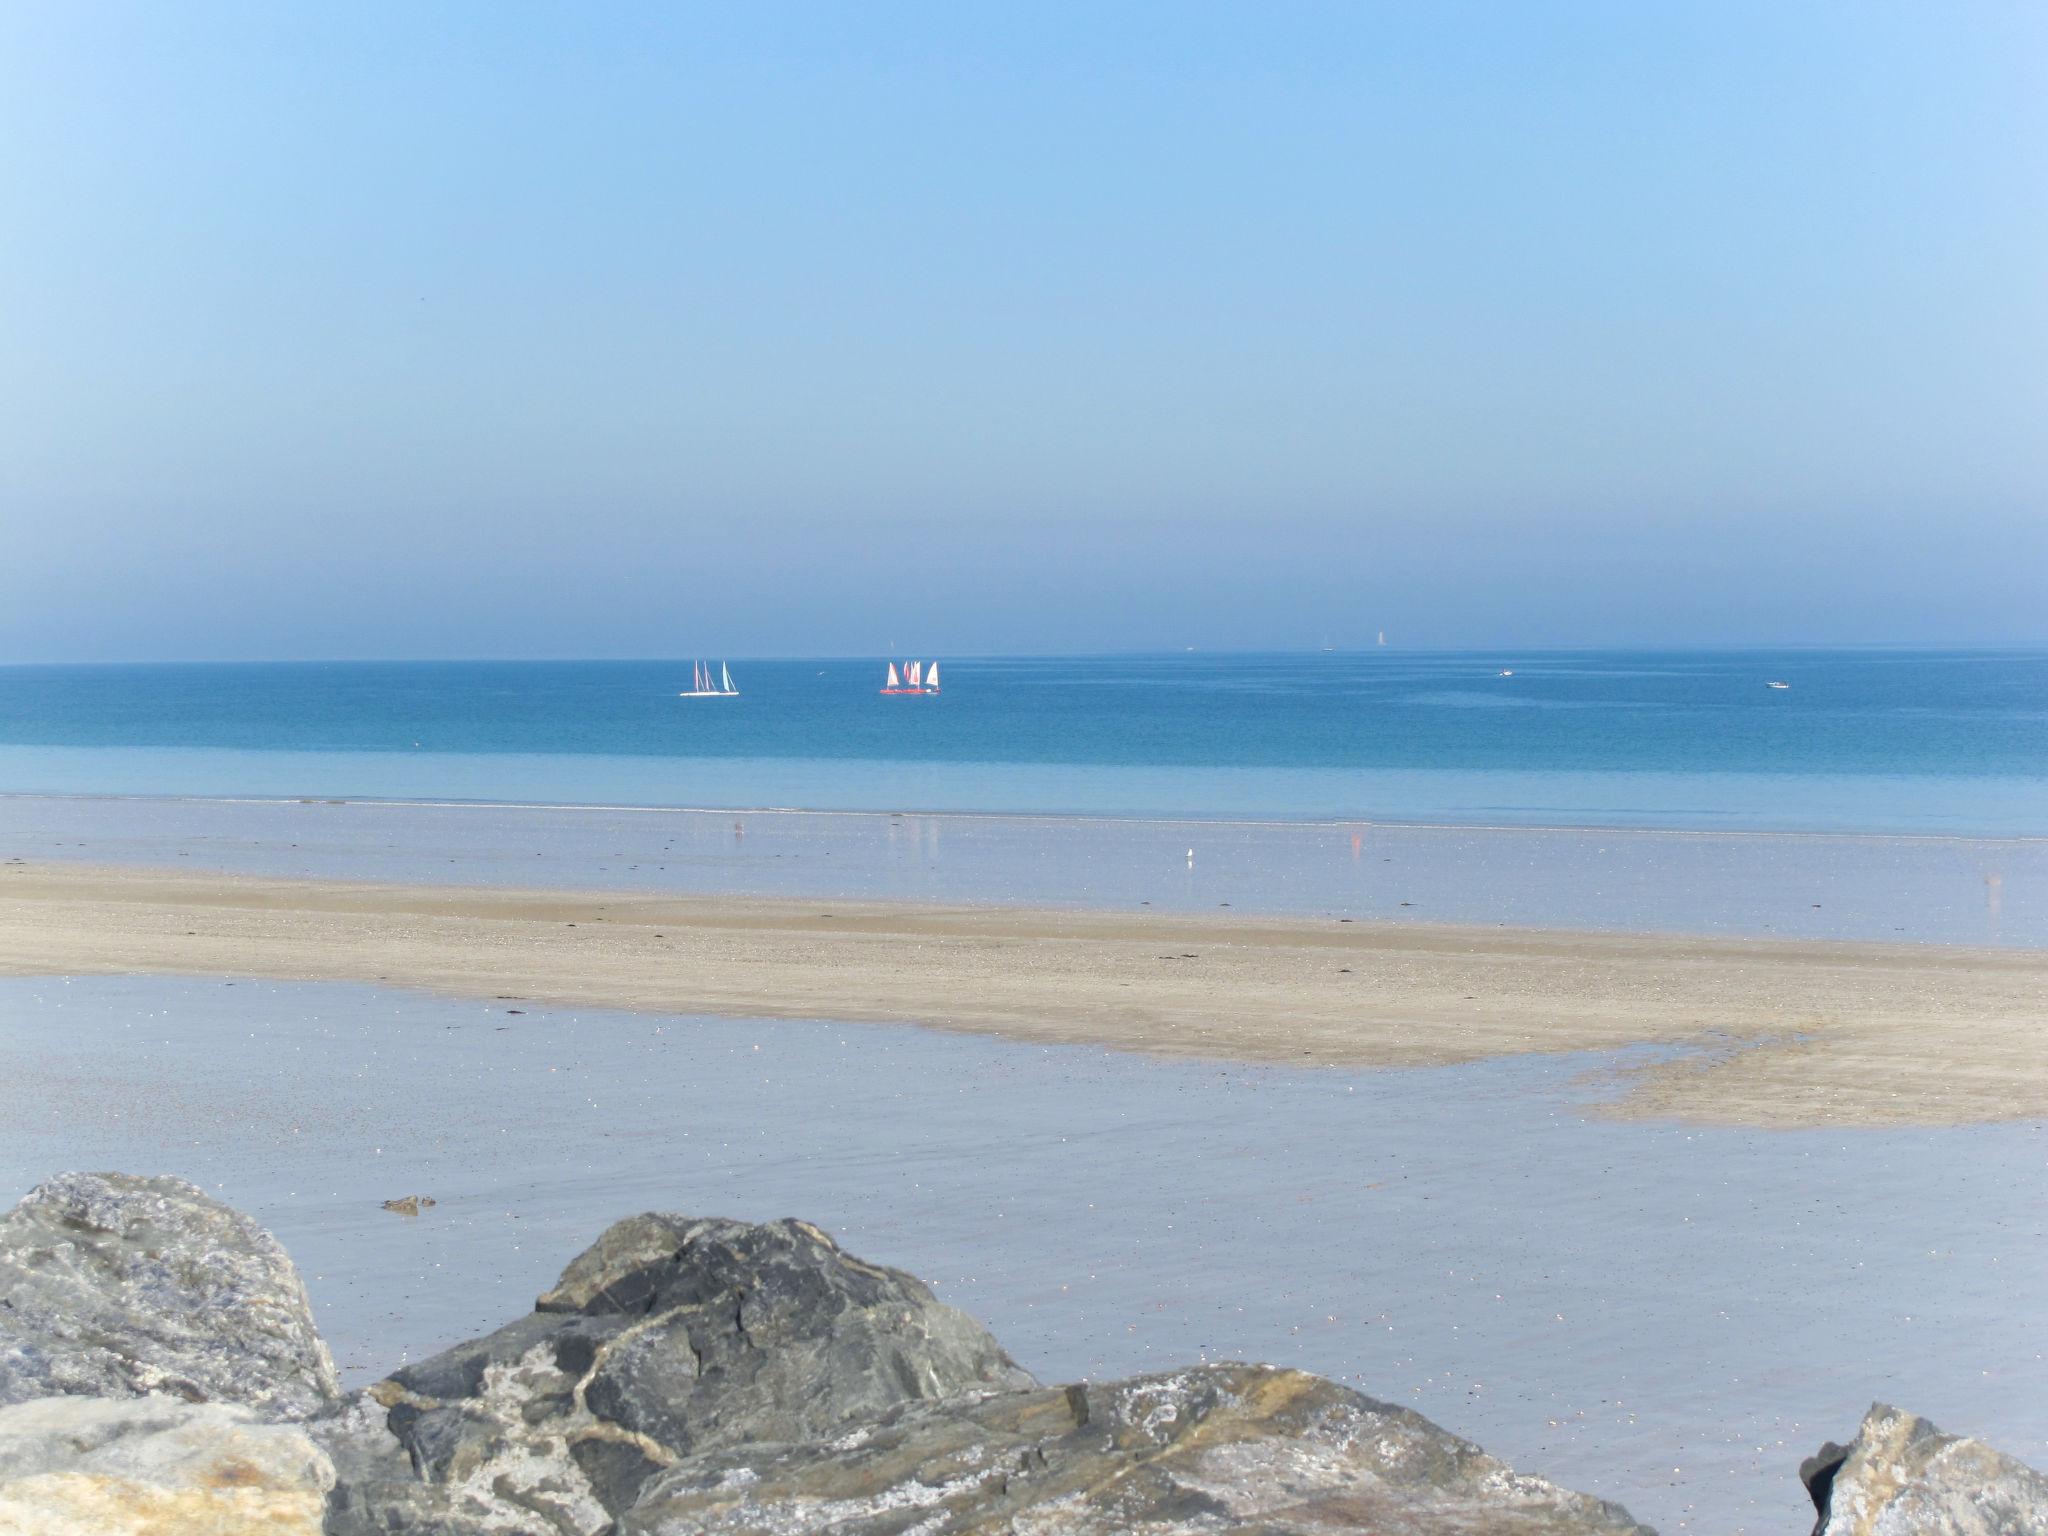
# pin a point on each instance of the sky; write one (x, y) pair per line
(385, 330)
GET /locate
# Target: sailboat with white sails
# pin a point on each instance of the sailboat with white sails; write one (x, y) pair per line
(916, 678)
(705, 685)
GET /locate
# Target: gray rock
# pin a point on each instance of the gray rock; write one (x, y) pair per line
(668, 1337)
(1220, 1448)
(1901, 1476)
(83, 1466)
(770, 1332)
(410, 1509)
(117, 1286)
(358, 1441)
(705, 1376)
(617, 1272)
(377, 1492)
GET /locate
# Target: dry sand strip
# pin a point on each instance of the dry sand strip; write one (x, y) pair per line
(1799, 1033)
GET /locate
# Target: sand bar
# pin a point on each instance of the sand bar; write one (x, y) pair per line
(1795, 1033)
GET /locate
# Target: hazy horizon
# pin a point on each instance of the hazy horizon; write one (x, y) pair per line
(1489, 654)
(517, 332)
(881, 654)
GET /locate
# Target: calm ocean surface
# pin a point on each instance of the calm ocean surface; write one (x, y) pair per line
(1949, 742)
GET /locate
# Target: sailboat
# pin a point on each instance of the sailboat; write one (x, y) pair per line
(915, 678)
(705, 685)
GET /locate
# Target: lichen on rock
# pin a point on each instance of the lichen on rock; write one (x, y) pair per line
(1901, 1476)
(1208, 1449)
(156, 1466)
(118, 1286)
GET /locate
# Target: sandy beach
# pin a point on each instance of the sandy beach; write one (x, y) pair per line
(1787, 1033)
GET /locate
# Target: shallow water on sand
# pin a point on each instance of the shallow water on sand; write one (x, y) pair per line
(1664, 1315)
(1921, 889)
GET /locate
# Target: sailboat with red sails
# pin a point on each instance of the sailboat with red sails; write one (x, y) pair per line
(915, 678)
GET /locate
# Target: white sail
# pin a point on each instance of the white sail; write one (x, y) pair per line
(894, 681)
(725, 672)
(911, 678)
(931, 678)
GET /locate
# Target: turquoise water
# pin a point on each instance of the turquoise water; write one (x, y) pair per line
(1882, 741)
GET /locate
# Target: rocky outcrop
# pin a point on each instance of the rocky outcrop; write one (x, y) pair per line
(116, 1286)
(691, 1377)
(1901, 1476)
(666, 1339)
(713, 1376)
(156, 1466)
(1220, 1448)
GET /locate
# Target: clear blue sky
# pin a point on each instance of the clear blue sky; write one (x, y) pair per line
(491, 329)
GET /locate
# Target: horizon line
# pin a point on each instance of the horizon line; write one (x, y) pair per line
(1150, 652)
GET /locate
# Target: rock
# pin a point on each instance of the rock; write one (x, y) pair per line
(700, 1376)
(156, 1466)
(1219, 1448)
(1901, 1476)
(358, 1441)
(410, 1509)
(668, 1337)
(376, 1491)
(664, 1338)
(118, 1286)
(628, 1253)
(770, 1332)
(410, 1205)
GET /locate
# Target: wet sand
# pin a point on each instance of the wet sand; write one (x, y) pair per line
(1791, 1033)
(1982, 892)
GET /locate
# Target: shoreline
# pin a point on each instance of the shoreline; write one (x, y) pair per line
(1218, 821)
(1784, 1033)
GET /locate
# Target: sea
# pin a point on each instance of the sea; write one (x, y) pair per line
(1881, 794)
(1875, 741)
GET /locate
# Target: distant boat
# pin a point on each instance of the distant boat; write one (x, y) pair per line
(1383, 637)
(1507, 672)
(916, 678)
(1777, 685)
(703, 685)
